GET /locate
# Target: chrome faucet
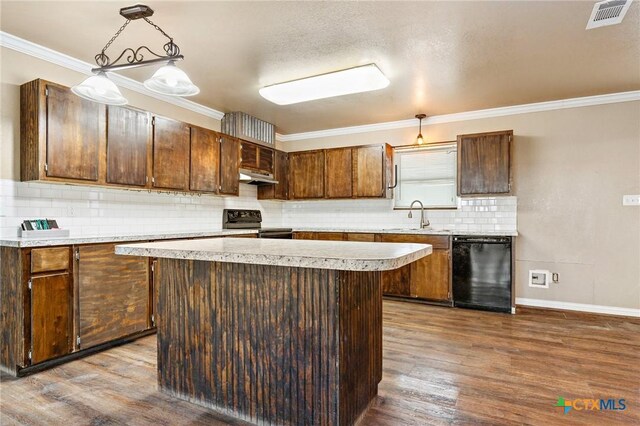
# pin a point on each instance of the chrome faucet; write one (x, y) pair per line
(423, 224)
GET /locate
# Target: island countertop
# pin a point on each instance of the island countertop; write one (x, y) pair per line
(336, 255)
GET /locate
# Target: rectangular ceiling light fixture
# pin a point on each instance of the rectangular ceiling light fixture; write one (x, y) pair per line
(364, 78)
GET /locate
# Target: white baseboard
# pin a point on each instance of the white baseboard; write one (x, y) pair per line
(582, 307)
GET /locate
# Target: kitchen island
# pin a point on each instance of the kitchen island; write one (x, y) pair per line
(273, 331)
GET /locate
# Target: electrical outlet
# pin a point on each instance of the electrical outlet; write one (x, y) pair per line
(631, 200)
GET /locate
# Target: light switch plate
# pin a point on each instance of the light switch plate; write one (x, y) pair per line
(631, 200)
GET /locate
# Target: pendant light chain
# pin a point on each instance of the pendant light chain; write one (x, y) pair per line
(101, 58)
(150, 22)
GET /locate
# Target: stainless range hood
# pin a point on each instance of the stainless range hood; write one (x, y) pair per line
(255, 178)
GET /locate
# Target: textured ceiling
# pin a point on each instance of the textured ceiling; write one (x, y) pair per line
(441, 57)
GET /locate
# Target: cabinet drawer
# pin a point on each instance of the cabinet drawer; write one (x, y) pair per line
(331, 236)
(437, 241)
(49, 259)
(361, 237)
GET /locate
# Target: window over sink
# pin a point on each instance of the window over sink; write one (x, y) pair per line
(426, 173)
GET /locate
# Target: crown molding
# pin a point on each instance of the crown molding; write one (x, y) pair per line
(581, 307)
(469, 115)
(41, 52)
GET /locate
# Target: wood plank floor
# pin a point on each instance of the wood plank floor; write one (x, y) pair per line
(441, 366)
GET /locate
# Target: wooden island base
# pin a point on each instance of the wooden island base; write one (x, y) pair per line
(274, 344)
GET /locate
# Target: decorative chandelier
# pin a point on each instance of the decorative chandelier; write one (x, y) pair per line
(168, 80)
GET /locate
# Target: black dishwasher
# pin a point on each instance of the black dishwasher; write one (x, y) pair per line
(482, 273)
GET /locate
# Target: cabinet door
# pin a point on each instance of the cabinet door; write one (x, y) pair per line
(306, 174)
(205, 160)
(265, 159)
(338, 173)
(113, 294)
(170, 154)
(229, 165)
(397, 282)
(281, 173)
(280, 190)
(51, 313)
(369, 166)
(431, 276)
(128, 141)
(484, 163)
(75, 128)
(249, 155)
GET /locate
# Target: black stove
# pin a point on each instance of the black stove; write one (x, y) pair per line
(252, 219)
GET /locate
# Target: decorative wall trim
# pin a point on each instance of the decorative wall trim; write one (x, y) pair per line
(470, 115)
(37, 51)
(582, 307)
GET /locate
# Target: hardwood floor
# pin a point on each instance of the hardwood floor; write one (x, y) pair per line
(441, 366)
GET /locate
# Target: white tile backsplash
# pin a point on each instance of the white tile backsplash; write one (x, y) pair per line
(89, 211)
(472, 214)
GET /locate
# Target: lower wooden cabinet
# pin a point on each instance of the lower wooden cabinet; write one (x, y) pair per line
(397, 282)
(51, 316)
(113, 294)
(428, 278)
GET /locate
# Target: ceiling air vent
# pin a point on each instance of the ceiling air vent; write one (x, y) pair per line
(608, 12)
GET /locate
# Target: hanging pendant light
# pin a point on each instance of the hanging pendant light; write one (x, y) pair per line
(99, 88)
(420, 139)
(168, 80)
(171, 80)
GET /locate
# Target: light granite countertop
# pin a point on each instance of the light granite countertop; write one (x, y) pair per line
(65, 241)
(416, 231)
(337, 255)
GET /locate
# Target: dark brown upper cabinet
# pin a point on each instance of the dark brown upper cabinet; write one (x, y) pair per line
(256, 157)
(280, 190)
(170, 154)
(484, 163)
(350, 172)
(204, 174)
(229, 165)
(67, 139)
(128, 146)
(306, 174)
(338, 176)
(61, 134)
(372, 171)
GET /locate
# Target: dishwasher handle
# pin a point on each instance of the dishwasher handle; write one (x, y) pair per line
(485, 240)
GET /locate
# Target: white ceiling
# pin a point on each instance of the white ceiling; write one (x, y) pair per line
(441, 57)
